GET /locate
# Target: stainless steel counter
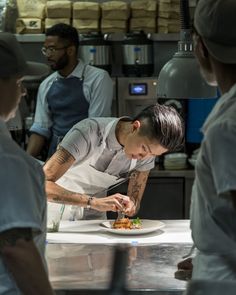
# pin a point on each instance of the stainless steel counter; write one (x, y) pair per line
(86, 266)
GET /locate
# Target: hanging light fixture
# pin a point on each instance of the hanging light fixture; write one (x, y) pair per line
(180, 77)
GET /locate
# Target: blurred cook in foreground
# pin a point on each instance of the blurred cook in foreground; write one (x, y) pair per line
(213, 210)
(98, 152)
(22, 197)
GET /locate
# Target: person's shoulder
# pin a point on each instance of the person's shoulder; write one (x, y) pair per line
(47, 81)
(97, 72)
(16, 157)
(100, 122)
(103, 121)
(96, 125)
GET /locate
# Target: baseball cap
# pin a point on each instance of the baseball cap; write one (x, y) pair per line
(215, 22)
(13, 62)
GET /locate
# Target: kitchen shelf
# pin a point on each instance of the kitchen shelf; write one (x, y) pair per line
(187, 173)
(164, 37)
(115, 37)
(29, 38)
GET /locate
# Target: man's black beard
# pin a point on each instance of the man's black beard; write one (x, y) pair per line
(61, 63)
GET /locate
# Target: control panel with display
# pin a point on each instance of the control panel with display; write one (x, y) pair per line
(138, 89)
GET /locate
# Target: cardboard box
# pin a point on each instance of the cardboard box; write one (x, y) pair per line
(115, 10)
(29, 26)
(143, 8)
(86, 10)
(49, 22)
(58, 9)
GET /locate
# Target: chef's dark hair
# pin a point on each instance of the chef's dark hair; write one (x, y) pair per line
(164, 124)
(65, 32)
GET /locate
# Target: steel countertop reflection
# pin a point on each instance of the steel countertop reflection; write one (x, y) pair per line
(89, 267)
(80, 258)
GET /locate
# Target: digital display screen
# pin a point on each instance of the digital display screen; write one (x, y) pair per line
(138, 89)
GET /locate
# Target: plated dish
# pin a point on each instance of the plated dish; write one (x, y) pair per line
(126, 223)
(148, 226)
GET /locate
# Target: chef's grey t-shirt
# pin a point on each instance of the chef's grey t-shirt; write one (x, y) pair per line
(87, 135)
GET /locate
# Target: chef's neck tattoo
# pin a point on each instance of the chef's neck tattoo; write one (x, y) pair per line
(63, 155)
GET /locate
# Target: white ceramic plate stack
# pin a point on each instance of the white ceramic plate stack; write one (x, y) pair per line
(175, 161)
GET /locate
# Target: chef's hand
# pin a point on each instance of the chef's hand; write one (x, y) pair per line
(131, 208)
(116, 202)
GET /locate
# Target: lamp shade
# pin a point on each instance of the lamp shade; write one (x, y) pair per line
(180, 77)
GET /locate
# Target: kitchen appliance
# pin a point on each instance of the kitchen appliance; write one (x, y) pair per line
(95, 50)
(137, 52)
(134, 94)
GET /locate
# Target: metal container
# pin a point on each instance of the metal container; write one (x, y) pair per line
(137, 55)
(94, 50)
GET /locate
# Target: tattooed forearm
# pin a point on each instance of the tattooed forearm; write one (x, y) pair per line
(137, 185)
(63, 156)
(58, 164)
(58, 194)
(68, 199)
(10, 237)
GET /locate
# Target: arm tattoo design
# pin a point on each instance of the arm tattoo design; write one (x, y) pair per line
(63, 156)
(137, 185)
(67, 197)
(10, 237)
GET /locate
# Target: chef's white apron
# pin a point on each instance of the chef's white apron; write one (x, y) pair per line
(85, 179)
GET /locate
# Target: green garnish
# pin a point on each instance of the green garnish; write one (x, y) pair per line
(136, 221)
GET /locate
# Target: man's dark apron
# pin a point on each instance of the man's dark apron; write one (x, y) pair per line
(68, 106)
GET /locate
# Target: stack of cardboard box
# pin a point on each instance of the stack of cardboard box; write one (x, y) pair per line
(115, 15)
(168, 20)
(143, 16)
(31, 16)
(58, 12)
(86, 17)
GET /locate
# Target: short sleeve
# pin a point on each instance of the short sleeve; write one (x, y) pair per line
(21, 198)
(81, 139)
(221, 148)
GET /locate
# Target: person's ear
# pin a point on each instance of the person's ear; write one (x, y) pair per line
(202, 54)
(71, 50)
(136, 125)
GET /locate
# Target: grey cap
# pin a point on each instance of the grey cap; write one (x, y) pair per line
(12, 59)
(215, 21)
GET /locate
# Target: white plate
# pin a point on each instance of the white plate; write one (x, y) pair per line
(175, 156)
(148, 226)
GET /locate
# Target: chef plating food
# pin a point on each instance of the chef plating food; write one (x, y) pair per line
(96, 154)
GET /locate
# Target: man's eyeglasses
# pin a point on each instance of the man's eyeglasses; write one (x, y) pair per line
(51, 50)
